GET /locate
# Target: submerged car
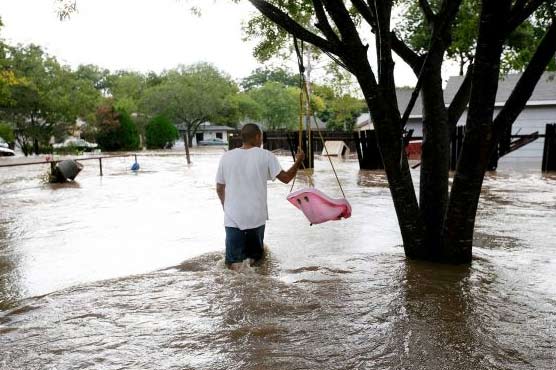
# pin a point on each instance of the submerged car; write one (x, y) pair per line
(215, 141)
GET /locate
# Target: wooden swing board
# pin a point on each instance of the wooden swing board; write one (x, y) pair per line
(319, 207)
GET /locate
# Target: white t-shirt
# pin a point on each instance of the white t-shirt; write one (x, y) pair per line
(245, 173)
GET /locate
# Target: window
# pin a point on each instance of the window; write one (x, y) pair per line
(219, 135)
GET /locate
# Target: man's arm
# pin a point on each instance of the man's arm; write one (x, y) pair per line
(287, 176)
(221, 191)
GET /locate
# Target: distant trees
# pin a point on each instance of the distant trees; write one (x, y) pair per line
(276, 98)
(42, 98)
(279, 105)
(191, 95)
(261, 76)
(44, 101)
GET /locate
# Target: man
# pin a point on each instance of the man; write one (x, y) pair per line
(241, 185)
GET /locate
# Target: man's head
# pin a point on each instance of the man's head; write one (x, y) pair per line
(251, 134)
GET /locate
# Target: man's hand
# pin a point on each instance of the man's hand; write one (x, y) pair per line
(287, 176)
(221, 191)
(300, 156)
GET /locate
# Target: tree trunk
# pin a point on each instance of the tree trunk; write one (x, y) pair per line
(36, 146)
(388, 130)
(475, 155)
(435, 158)
(190, 136)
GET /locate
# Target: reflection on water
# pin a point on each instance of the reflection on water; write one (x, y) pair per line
(333, 296)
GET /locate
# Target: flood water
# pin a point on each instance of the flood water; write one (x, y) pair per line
(125, 271)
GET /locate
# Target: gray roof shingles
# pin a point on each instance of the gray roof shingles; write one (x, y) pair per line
(544, 91)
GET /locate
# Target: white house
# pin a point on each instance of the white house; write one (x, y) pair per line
(207, 132)
(414, 121)
(539, 110)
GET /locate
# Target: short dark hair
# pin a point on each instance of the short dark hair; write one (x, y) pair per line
(249, 131)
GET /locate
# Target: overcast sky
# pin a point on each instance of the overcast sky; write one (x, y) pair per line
(141, 35)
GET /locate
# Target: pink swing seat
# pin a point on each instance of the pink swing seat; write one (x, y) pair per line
(318, 207)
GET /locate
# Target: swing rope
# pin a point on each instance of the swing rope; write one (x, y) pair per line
(310, 113)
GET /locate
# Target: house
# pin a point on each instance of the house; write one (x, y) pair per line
(539, 110)
(414, 121)
(317, 125)
(208, 131)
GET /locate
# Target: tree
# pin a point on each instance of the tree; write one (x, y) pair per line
(128, 133)
(190, 96)
(7, 132)
(339, 111)
(518, 50)
(261, 76)
(247, 108)
(279, 105)
(115, 129)
(160, 132)
(47, 99)
(126, 89)
(439, 226)
(343, 113)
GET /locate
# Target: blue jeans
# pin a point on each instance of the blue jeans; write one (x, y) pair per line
(243, 244)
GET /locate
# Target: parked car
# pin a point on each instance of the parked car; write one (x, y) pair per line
(215, 141)
(75, 143)
(5, 150)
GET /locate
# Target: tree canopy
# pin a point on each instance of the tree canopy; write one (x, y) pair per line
(190, 95)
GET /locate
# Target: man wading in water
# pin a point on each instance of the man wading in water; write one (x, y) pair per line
(241, 183)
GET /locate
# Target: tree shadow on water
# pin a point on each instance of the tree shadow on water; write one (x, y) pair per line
(437, 327)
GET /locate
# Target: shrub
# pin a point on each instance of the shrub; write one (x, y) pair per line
(7, 133)
(128, 132)
(160, 133)
(116, 130)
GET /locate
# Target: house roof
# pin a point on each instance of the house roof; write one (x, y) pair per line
(404, 96)
(544, 93)
(206, 127)
(215, 128)
(318, 125)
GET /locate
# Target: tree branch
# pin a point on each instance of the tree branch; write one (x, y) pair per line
(291, 26)
(343, 21)
(413, 59)
(398, 46)
(365, 12)
(427, 11)
(323, 23)
(460, 100)
(521, 11)
(527, 82)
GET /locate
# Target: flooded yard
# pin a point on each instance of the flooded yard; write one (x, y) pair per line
(126, 271)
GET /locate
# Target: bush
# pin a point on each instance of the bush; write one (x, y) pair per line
(7, 133)
(128, 132)
(116, 130)
(160, 133)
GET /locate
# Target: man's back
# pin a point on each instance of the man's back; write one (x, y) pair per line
(245, 173)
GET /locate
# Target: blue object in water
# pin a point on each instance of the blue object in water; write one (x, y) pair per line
(135, 167)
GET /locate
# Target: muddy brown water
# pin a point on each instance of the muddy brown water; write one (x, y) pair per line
(126, 272)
